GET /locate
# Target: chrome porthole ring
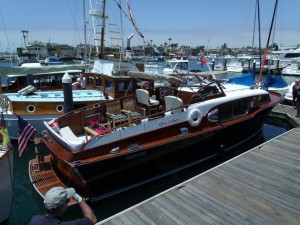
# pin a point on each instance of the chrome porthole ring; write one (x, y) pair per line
(31, 108)
(60, 108)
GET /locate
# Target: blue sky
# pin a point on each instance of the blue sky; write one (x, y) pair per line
(188, 22)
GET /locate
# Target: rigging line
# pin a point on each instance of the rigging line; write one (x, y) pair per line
(266, 49)
(6, 34)
(74, 21)
(254, 27)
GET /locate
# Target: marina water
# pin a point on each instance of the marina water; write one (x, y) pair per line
(28, 203)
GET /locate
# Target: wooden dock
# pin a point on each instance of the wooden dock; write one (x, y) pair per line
(261, 186)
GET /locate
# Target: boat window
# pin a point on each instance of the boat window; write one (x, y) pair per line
(225, 112)
(292, 55)
(229, 111)
(240, 108)
(98, 82)
(213, 116)
(109, 85)
(128, 86)
(258, 100)
(91, 81)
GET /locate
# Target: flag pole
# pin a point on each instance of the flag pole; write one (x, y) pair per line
(204, 61)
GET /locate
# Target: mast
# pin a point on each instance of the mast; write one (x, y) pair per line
(84, 24)
(266, 49)
(101, 55)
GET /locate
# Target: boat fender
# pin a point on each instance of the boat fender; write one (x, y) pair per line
(195, 117)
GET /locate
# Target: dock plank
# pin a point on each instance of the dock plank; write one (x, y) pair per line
(261, 186)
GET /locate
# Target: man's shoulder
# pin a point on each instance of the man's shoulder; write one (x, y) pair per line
(39, 219)
(83, 221)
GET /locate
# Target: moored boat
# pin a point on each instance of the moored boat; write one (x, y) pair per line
(35, 104)
(109, 151)
(6, 174)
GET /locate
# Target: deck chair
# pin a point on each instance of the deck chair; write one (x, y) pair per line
(115, 113)
(134, 112)
(174, 104)
(144, 99)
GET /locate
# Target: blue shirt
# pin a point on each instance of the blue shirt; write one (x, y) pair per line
(49, 220)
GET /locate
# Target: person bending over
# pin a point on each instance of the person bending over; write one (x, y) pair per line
(56, 201)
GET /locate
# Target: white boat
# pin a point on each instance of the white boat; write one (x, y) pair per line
(293, 69)
(289, 93)
(219, 67)
(6, 179)
(283, 58)
(239, 64)
(176, 66)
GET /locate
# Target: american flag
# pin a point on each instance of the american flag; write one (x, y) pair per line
(26, 131)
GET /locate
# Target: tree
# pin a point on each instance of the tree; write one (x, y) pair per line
(170, 39)
(224, 46)
(201, 48)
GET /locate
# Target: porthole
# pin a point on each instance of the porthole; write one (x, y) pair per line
(96, 105)
(59, 108)
(31, 108)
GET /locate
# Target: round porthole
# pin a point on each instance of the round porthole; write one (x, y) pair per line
(59, 108)
(96, 105)
(31, 108)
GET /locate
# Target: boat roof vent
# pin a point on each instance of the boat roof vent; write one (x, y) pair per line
(27, 90)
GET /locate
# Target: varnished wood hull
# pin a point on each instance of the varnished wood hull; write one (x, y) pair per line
(103, 178)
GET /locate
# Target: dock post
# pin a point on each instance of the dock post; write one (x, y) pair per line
(213, 65)
(30, 79)
(253, 68)
(68, 95)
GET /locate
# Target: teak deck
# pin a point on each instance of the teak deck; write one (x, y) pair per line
(261, 186)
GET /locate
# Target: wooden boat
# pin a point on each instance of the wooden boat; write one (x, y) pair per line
(114, 146)
(43, 78)
(107, 82)
(41, 81)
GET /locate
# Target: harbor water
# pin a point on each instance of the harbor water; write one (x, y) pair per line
(28, 203)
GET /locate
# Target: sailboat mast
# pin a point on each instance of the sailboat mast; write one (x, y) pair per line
(101, 55)
(266, 49)
(84, 24)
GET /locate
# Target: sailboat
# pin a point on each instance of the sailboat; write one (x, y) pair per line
(271, 82)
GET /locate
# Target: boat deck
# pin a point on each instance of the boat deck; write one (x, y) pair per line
(42, 176)
(57, 96)
(261, 186)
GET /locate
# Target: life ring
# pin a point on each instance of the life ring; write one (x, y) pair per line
(195, 117)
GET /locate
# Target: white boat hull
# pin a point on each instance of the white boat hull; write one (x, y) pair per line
(6, 183)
